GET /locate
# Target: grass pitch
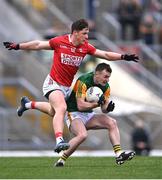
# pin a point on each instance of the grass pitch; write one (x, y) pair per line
(80, 168)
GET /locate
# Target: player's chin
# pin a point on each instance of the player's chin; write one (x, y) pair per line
(104, 84)
(84, 41)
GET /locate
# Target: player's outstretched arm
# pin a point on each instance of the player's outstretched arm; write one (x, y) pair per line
(112, 56)
(31, 45)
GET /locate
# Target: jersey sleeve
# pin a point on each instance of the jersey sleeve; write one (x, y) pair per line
(107, 93)
(53, 43)
(80, 89)
(91, 49)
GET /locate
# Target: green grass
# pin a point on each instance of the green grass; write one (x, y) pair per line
(80, 168)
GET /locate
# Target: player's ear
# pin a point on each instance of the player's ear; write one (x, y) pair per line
(75, 32)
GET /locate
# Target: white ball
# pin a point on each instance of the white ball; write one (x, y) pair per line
(93, 94)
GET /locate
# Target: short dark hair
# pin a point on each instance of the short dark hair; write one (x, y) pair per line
(103, 66)
(79, 25)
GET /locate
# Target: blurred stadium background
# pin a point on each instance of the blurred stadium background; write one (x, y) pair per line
(136, 88)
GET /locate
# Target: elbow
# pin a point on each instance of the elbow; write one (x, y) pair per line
(37, 44)
(80, 107)
(107, 57)
(33, 45)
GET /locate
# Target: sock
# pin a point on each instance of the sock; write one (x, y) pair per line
(117, 149)
(63, 158)
(30, 105)
(59, 137)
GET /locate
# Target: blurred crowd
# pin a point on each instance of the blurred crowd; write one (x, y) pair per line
(140, 139)
(143, 17)
(140, 18)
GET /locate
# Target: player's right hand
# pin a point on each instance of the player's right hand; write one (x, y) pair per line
(101, 100)
(11, 45)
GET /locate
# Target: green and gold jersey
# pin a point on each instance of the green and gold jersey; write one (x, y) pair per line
(82, 84)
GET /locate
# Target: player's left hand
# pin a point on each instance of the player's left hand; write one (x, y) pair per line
(110, 106)
(11, 45)
(130, 57)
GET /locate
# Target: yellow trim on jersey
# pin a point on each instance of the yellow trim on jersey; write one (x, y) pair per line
(107, 93)
(69, 117)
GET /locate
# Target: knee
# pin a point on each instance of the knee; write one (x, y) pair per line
(82, 136)
(51, 112)
(113, 124)
(61, 109)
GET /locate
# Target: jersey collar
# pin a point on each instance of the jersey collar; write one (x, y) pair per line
(69, 38)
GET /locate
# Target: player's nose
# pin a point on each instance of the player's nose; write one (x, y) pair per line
(86, 36)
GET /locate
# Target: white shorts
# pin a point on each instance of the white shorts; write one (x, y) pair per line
(50, 85)
(83, 116)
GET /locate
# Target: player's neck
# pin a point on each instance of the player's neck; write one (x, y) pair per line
(74, 41)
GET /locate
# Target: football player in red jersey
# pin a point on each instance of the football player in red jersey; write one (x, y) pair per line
(69, 52)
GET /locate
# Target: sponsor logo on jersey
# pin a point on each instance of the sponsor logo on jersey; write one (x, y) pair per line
(71, 60)
(73, 49)
(81, 50)
(63, 46)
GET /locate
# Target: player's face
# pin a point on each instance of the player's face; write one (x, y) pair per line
(82, 36)
(102, 77)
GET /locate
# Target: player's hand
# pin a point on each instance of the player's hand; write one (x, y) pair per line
(130, 57)
(11, 45)
(110, 106)
(101, 100)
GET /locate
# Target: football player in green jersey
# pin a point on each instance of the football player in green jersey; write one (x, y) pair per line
(80, 116)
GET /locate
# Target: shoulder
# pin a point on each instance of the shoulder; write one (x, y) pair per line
(87, 78)
(56, 40)
(86, 75)
(59, 38)
(91, 49)
(105, 88)
(90, 45)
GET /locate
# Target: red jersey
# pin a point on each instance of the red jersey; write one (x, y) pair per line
(67, 58)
